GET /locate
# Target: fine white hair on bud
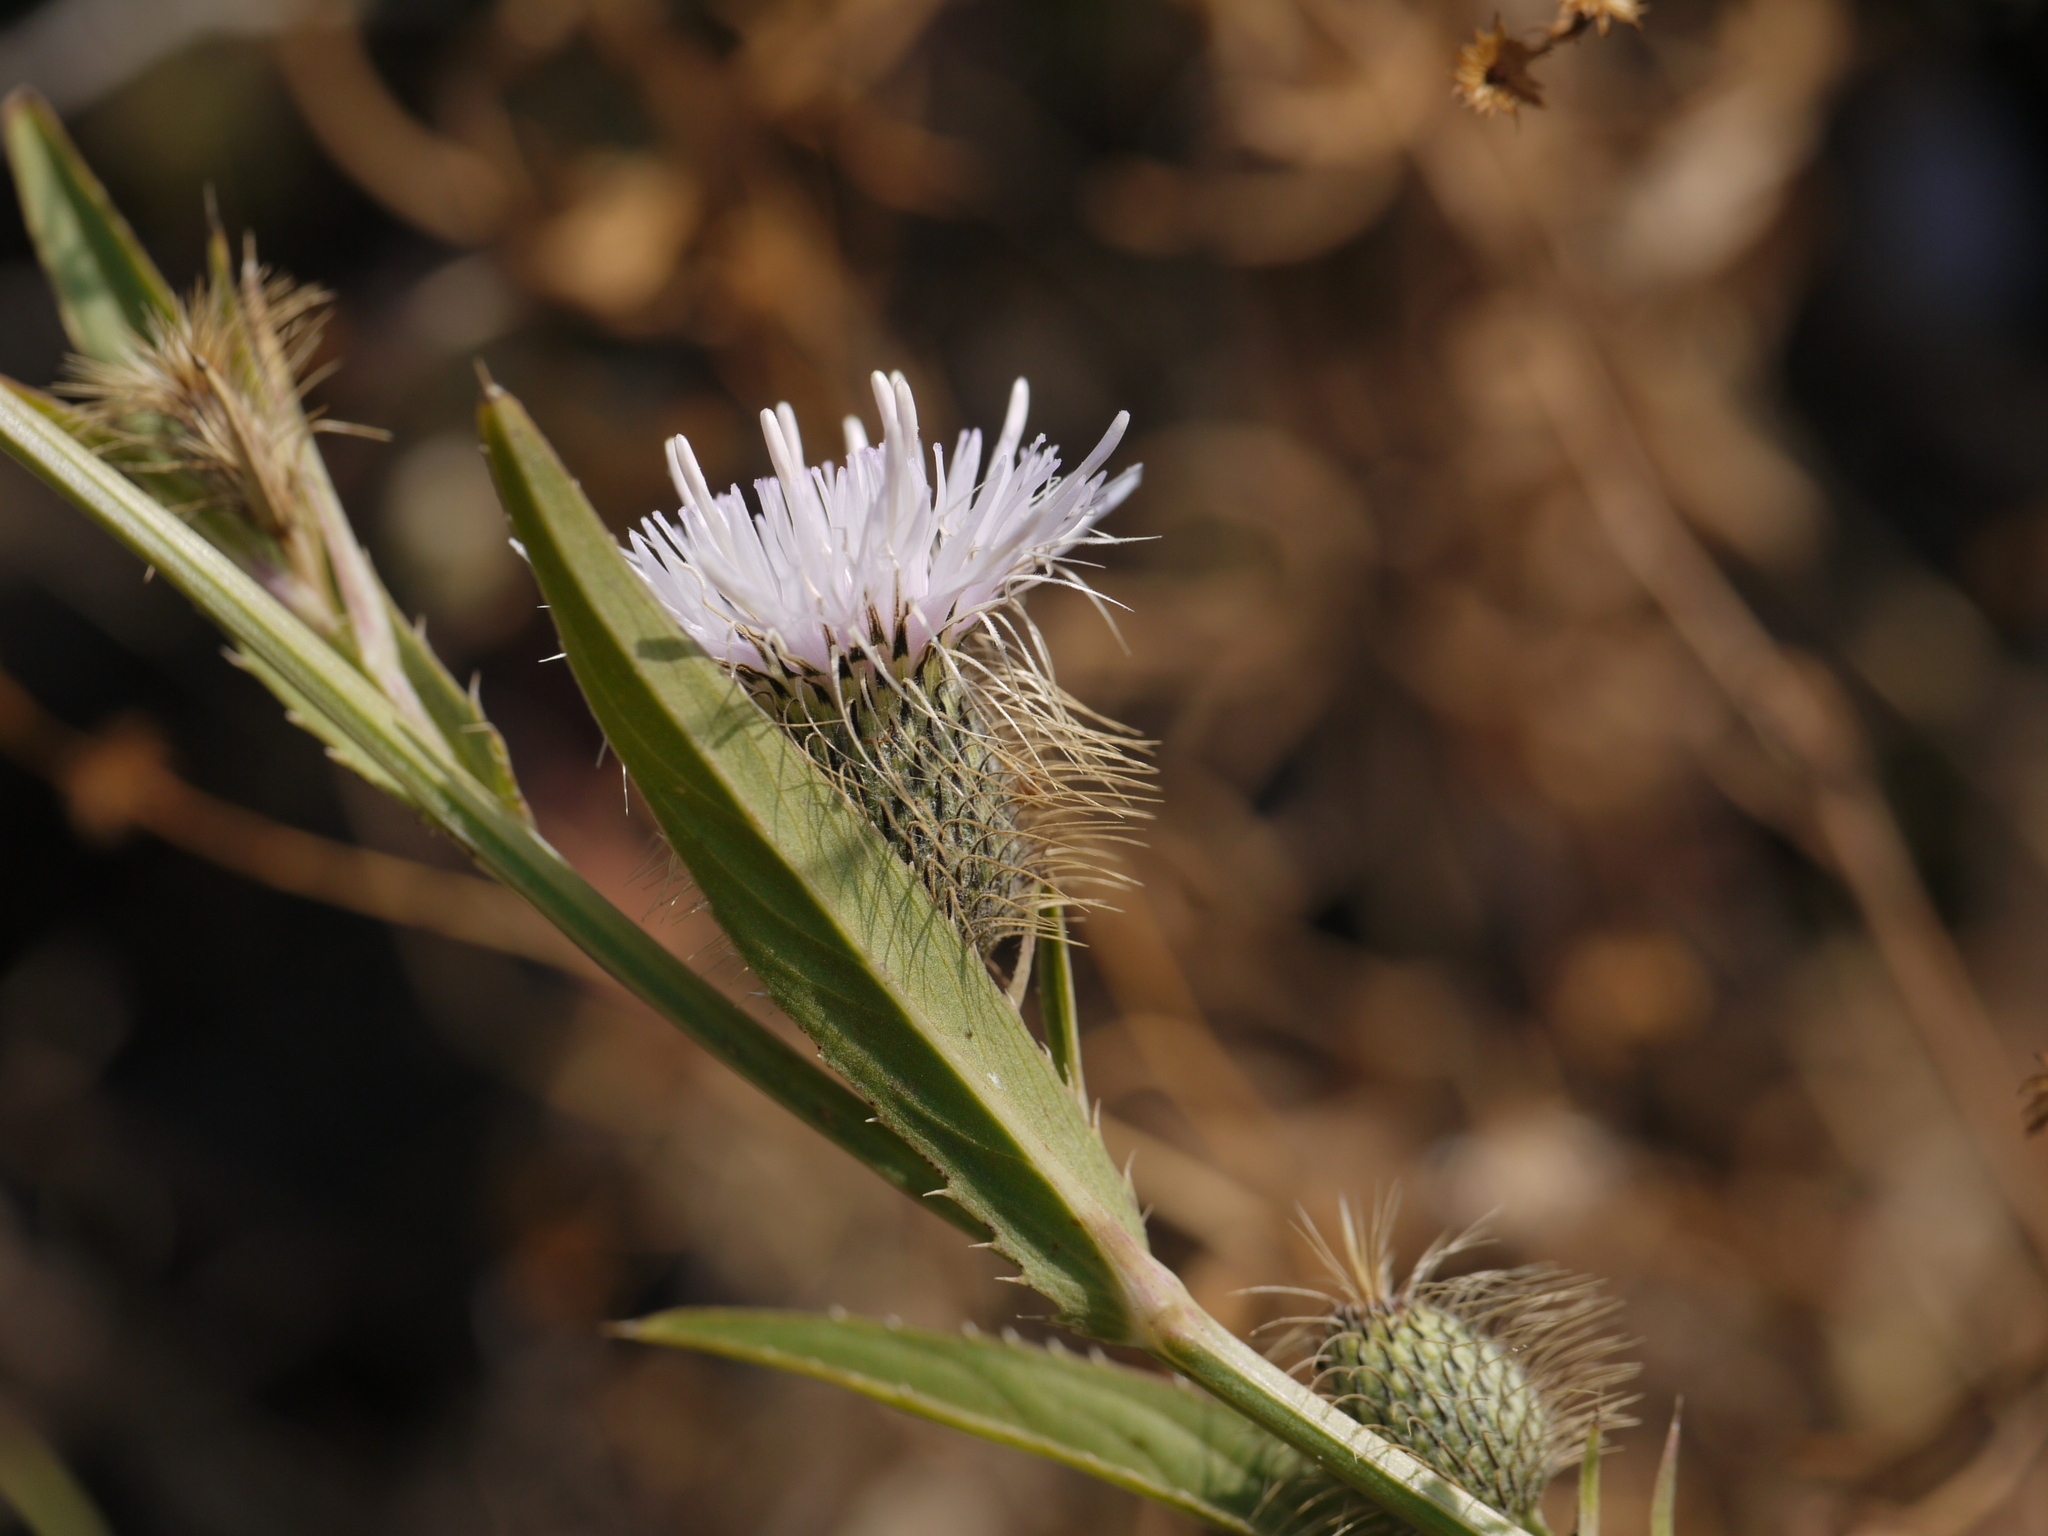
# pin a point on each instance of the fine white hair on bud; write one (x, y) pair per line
(1492, 1378)
(874, 607)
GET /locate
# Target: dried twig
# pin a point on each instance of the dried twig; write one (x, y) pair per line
(120, 780)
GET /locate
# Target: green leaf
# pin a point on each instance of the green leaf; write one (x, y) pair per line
(325, 688)
(1664, 1494)
(1138, 1431)
(108, 290)
(1056, 1007)
(109, 294)
(39, 1487)
(834, 924)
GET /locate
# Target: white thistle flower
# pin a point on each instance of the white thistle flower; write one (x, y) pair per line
(875, 610)
(847, 559)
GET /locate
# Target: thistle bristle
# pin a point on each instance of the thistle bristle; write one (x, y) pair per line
(987, 779)
(205, 409)
(215, 388)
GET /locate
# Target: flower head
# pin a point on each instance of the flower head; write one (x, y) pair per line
(872, 557)
(206, 408)
(876, 612)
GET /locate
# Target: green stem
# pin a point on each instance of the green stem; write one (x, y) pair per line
(1589, 1483)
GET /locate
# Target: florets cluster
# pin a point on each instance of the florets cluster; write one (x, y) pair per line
(875, 610)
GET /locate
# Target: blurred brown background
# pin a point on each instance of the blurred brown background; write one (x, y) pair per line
(1595, 633)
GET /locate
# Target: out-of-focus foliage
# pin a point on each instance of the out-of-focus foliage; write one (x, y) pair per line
(1594, 636)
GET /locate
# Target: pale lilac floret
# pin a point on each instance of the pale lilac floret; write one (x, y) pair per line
(836, 548)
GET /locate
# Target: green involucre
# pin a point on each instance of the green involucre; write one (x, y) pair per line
(919, 762)
(1435, 1385)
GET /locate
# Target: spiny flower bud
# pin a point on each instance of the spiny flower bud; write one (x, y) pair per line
(876, 613)
(1492, 1379)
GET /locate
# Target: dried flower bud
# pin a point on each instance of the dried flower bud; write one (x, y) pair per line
(210, 400)
(1492, 74)
(208, 408)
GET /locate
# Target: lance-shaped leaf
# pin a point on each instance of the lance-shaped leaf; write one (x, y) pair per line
(458, 714)
(338, 704)
(833, 922)
(1138, 1431)
(108, 290)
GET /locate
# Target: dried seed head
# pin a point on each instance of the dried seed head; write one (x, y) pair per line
(1492, 73)
(1600, 13)
(876, 612)
(206, 409)
(1492, 1378)
(208, 404)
